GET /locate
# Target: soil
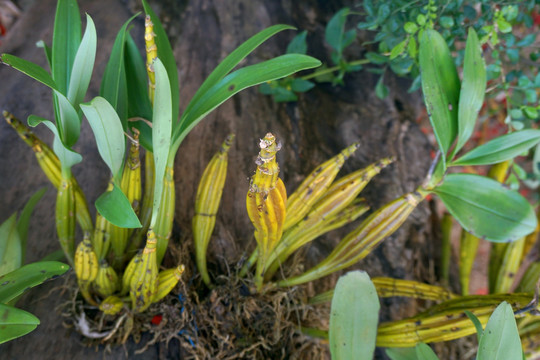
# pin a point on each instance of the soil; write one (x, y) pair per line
(319, 125)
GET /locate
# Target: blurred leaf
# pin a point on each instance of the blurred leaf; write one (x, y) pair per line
(381, 90)
(486, 208)
(424, 352)
(412, 47)
(10, 246)
(108, 132)
(472, 91)
(501, 338)
(298, 44)
(504, 26)
(401, 353)
(531, 96)
(114, 206)
(114, 82)
(513, 55)
(446, 22)
(24, 219)
(516, 114)
(440, 84)
(410, 28)
(376, 58)
(531, 112)
(18, 281)
(83, 65)
(166, 55)
(398, 49)
(161, 132)
(335, 30)
(500, 149)
(15, 323)
(421, 19)
(527, 40)
(354, 317)
(299, 85)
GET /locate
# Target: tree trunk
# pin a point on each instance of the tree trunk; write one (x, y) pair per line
(318, 126)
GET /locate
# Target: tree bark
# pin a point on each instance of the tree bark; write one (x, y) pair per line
(318, 126)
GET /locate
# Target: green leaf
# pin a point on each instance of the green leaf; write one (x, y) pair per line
(531, 112)
(504, 26)
(229, 63)
(424, 352)
(354, 317)
(83, 65)
(18, 281)
(440, 84)
(473, 89)
(166, 55)
(114, 83)
(239, 80)
(501, 338)
(10, 246)
(34, 71)
(298, 44)
(500, 149)
(402, 353)
(398, 49)
(15, 323)
(299, 85)
(477, 324)
(108, 131)
(67, 157)
(381, 90)
(412, 47)
(446, 22)
(161, 132)
(69, 122)
(486, 208)
(410, 27)
(47, 50)
(334, 32)
(138, 101)
(114, 206)
(66, 40)
(24, 219)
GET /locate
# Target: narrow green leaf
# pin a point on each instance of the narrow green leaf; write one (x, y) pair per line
(354, 317)
(500, 149)
(69, 122)
(66, 40)
(138, 101)
(229, 63)
(18, 281)
(108, 131)
(83, 65)
(114, 206)
(15, 323)
(398, 49)
(501, 338)
(335, 30)
(401, 353)
(473, 89)
(36, 72)
(10, 246)
(440, 84)
(486, 208)
(477, 324)
(381, 90)
(47, 50)
(67, 157)
(24, 219)
(166, 55)
(239, 80)
(161, 132)
(424, 352)
(114, 82)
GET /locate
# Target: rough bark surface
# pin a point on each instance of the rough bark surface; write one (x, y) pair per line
(319, 125)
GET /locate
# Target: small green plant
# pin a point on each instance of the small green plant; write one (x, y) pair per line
(16, 278)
